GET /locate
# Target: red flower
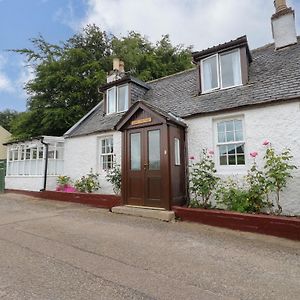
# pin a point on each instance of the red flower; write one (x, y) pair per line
(192, 157)
(211, 152)
(266, 142)
(253, 154)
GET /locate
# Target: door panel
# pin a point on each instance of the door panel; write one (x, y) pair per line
(144, 180)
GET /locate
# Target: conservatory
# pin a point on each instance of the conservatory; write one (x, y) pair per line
(34, 164)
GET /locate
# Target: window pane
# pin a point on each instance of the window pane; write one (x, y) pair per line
(239, 136)
(223, 160)
(230, 69)
(230, 136)
(229, 126)
(240, 149)
(123, 98)
(241, 159)
(223, 150)
(135, 151)
(238, 125)
(177, 151)
(231, 160)
(221, 127)
(231, 149)
(221, 137)
(210, 74)
(154, 149)
(111, 101)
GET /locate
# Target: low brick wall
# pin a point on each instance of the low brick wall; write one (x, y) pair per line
(286, 227)
(96, 200)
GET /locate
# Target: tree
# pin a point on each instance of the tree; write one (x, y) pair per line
(6, 118)
(68, 75)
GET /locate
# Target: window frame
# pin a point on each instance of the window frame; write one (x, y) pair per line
(177, 152)
(218, 144)
(116, 100)
(102, 155)
(219, 71)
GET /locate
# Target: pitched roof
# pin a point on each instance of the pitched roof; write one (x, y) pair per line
(273, 76)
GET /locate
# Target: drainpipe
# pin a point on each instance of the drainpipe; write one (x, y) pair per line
(46, 164)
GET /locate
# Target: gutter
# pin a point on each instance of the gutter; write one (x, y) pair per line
(46, 164)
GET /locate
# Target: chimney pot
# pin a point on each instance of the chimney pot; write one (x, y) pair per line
(116, 64)
(280, 5)
(122, 67)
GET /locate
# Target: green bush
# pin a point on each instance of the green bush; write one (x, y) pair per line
(88, 183)
(114, 177)
(203, 181)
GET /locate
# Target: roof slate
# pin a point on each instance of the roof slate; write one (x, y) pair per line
(273, 76)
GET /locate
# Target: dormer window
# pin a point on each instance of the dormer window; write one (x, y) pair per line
(220, 71)
(117, 99)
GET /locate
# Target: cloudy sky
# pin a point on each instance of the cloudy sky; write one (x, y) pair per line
(201, 23)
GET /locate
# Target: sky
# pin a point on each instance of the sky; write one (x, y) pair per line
(200, 23)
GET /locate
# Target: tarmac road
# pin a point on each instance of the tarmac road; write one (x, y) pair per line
(56, 250)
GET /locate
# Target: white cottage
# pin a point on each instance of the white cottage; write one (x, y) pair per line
(230, 102)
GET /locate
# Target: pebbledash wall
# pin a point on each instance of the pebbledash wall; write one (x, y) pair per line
(83, 154)
(30, 183)
(278, 123)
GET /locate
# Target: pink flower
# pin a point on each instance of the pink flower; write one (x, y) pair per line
(266, 142)
(192, 157)
(211, 152)
(253, 154)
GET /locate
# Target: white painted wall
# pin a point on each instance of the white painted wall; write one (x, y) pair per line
(278, 123)
(30, 183)
(83, 153)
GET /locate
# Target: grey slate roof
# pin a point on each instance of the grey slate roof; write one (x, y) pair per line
(273, 76)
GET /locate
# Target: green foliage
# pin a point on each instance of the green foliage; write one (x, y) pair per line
(67, 76)
(233, 197)
(7, 116)
(88, 183)
(278, 168)
(114, 177)
(203, 181)
(63, 180)
(257, 190)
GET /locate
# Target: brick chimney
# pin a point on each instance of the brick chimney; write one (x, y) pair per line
(118, 70)
(283, 25)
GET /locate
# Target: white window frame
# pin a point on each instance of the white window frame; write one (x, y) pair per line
(202, 73)
(102, 155)
(177, 154)
(116, 93)
(219, 71)
(236, 167)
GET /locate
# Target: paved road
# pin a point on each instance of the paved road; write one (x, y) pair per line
(55, 250)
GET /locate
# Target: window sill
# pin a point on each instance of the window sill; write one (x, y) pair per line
(220, 89)
(232, 170)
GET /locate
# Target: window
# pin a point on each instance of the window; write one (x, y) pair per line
(28, 159)
(117, 99)
(230, 142)
(177, 151)
(221, 71)
(106, 153)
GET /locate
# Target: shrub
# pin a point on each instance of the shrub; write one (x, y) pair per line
(114, 177)
(88, 183)
(278, 168)
(203, 181)
(233, 197)
(63, 180)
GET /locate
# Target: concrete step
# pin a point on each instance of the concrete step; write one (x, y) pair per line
(163, 215)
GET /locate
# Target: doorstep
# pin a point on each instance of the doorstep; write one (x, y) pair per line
(163, 215)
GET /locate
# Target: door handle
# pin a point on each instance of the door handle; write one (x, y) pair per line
(145, 167)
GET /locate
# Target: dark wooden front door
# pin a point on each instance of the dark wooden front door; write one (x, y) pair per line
(144, 175)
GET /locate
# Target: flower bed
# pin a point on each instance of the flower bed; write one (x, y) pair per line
(286, 227)
(96, 200)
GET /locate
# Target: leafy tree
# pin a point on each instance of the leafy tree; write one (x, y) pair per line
(68, 75)
(6, 118)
